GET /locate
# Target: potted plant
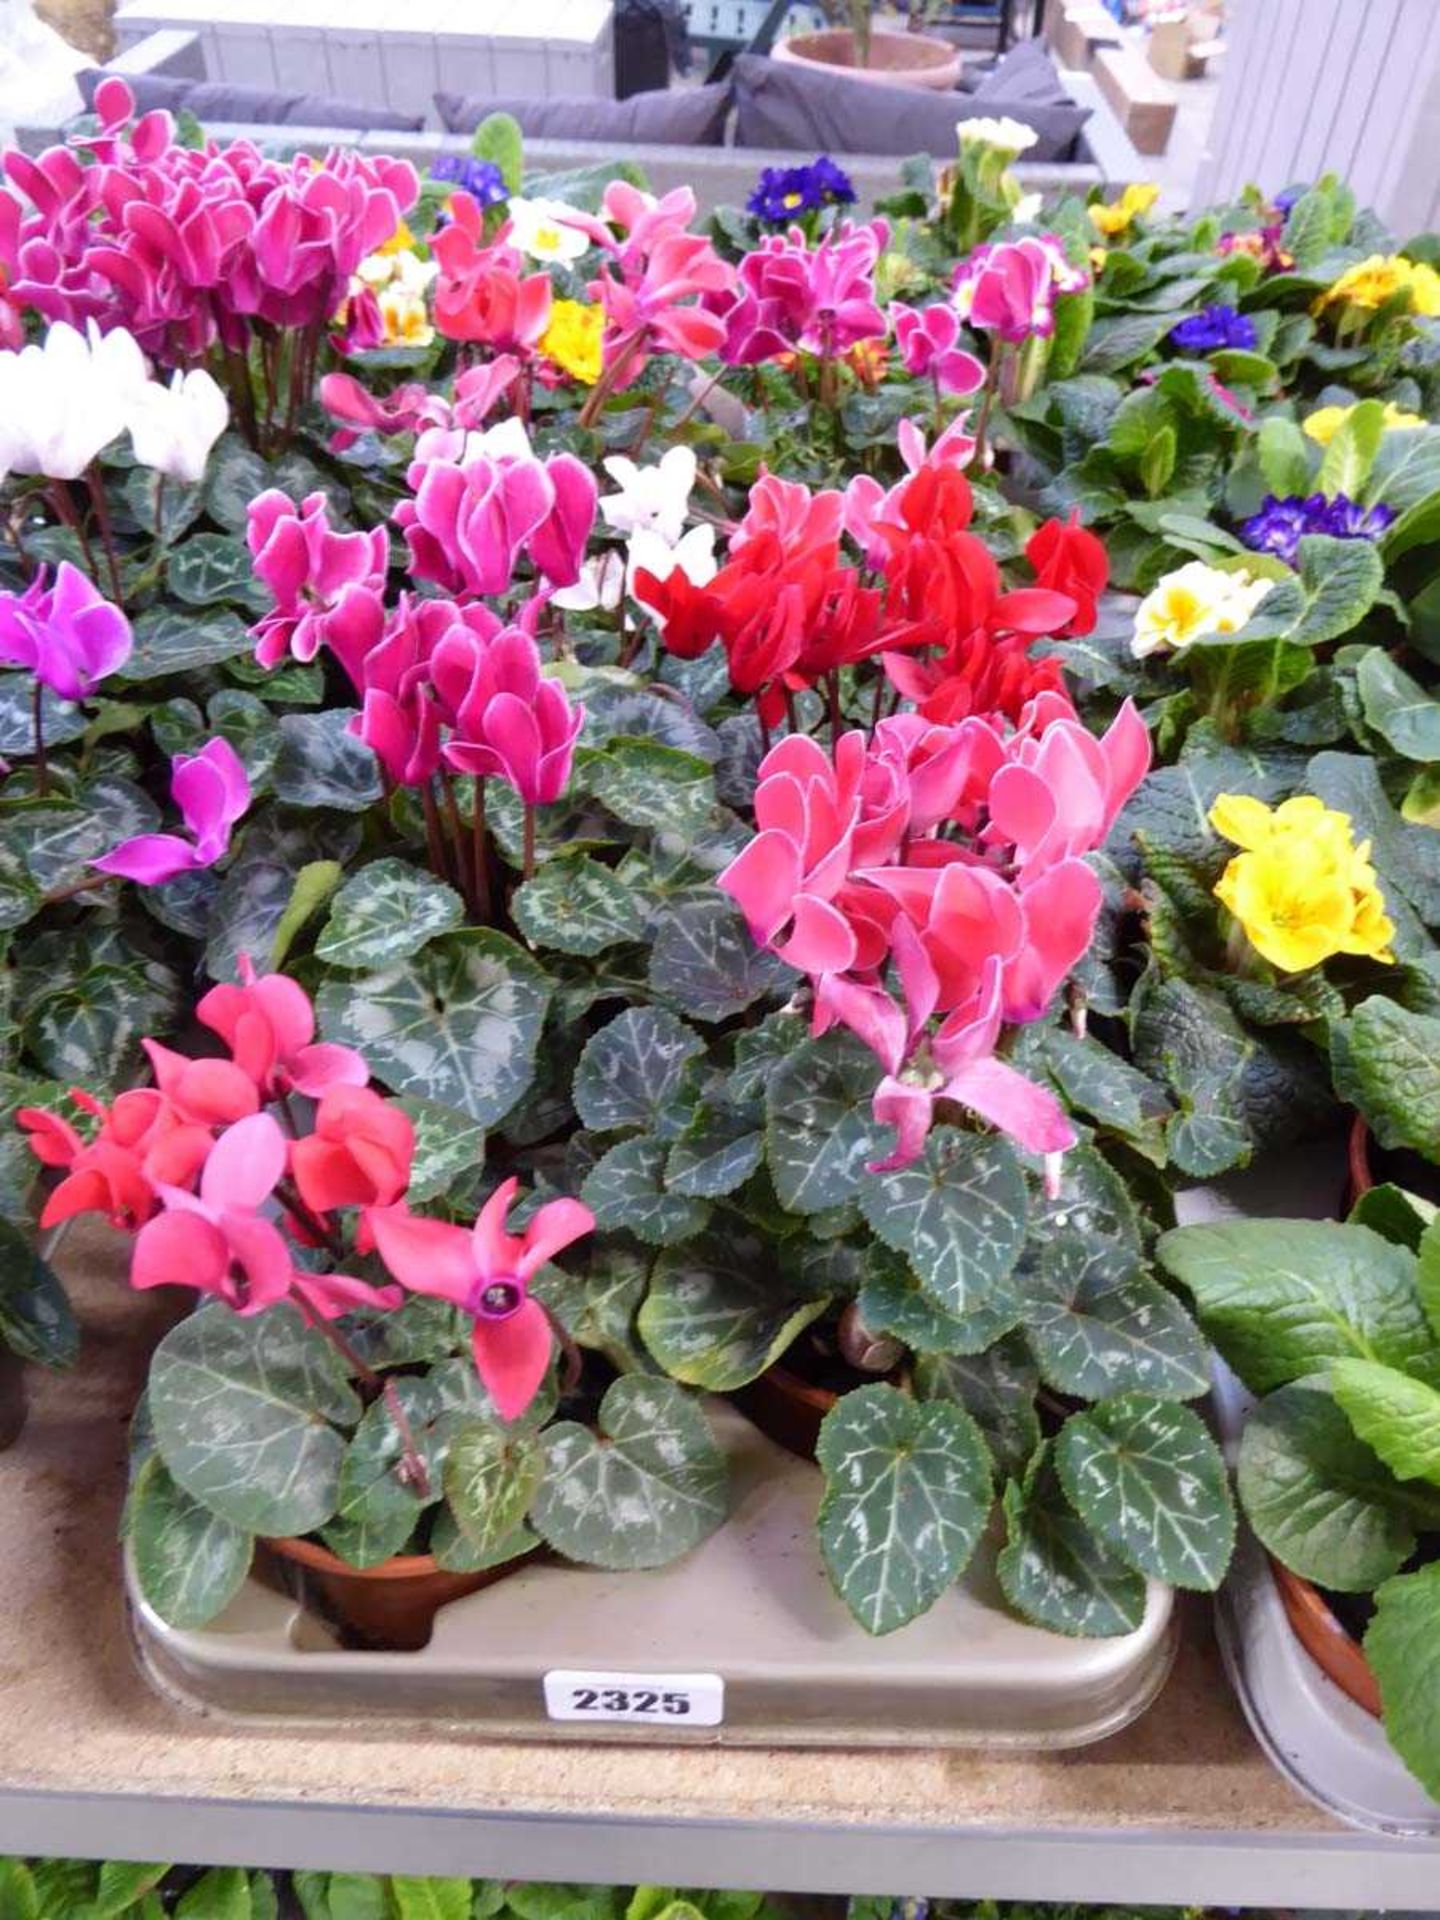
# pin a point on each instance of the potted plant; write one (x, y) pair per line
(889, 56)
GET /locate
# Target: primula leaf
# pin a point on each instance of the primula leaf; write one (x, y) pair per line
(626, 1190)
(1402, 1645)
(907, 1495)
(632, 1069)
(1407, 858)
(1098, 1324)
(190, 1563)
(430, 1898)
(1054, 1571)
(457, 1023)
(959, 1213)
(645, 1488)
(242, 1409)
(718, 1312)
(385, 912)
(1396, 1415)
(1393, 1060)
(1399, 709)
(703, 959)
(1146, 1477)
(1283, 1298)
(1319, 1499)
(576, 905)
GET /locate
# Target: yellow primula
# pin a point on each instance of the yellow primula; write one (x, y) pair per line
(573, 339)
(1323, 425)
(400, 241)
(1300, 887)
(1119, 215)
(1378, 279)
(406, 318)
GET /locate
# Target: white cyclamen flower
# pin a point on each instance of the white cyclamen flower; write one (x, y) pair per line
(693, 555)
(173, 428)
(543, 229)
(64, 401)
(602, 579)
(1010, 136)
(655, 498)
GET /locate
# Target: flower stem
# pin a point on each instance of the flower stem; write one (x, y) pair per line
(457, 841)
(412, 1471)
(610, 378)
(37, 713)
(992, 382)
(836, 721)
(107, 537)
(434, 839)
(479, 852)
(64, 506)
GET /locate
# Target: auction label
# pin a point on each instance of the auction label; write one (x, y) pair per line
(660, 1700)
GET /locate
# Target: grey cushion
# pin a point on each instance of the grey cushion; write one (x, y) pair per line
(217, 102)
(669, 116)
(1026, 74)
(794, 108)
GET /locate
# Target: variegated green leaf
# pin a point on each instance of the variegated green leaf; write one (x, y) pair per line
(1054, 1571)
(959, 1213)
(818, 1130)
(577, 906)
(190, 1563)
(626, 1191)
(703, 959)
(718, 1312)
(1099, 1324)
(632, 1069)
(321, 763)
(385, 912)
(491, 1476)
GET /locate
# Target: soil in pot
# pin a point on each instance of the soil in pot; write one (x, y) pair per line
(391, 1607)
(896, 59)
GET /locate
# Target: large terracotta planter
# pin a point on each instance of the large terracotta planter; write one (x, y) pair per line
(391, 1606)
(896, 59)
(1340, 1657)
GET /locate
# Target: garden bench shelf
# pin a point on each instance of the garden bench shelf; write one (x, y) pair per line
(1181, 1807)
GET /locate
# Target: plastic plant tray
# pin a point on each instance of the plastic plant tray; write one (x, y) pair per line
(751, 1606)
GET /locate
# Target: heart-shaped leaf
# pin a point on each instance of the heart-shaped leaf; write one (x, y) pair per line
(891, 1300)
(377, 1505)
(626, 1191)
(716, 1153)
(577, 906)
(996, 1388)
(958, 1213)
(385, 912)
(175, 640)
(190, 1563)
(258, 887)
(213, 566)
(1146, 1477)
(1054, 1571)
(597, 1308)
(718, 1313)
(632, 1069)
(57, 839)
(180, 506)
(236, 474)
(907, 1495)
(491, 1476)
(1098, 1324)
(646, 1488)
(242, 1410)
(458, 1023)
(60, 720)
(818, 1129)
(449, 1147)
(322, 764)
(647, 785)
(703, 959)
(35, 1317)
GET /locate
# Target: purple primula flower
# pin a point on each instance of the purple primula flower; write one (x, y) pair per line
(785, 192)
(481, 179)
(1211, 328)
(211, 790)
(1283, 202)
(1281, 525)
(69, 636)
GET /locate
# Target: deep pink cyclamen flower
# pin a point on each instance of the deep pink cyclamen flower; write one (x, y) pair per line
(329, 587)
(928, 339)
(818, 299)
(511, 722)
(69, 636)
(663, 287)
(268, 1024)
(487, 1272)
(471, 519)
(1061, 789)
(1009, 288)
(212, 792)
(219, 1241)
(402, 711)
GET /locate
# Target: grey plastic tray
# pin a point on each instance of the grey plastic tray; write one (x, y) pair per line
(751, 1605)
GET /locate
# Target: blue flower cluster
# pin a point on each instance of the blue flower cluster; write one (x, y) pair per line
(783, 193)
(1213, 327)
(1280, 525)
(481, 179)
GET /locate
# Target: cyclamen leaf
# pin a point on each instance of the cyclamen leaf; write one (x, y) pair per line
(1402, 1645)
(1054, 1571)
(959, 1213)
(491, 1476)
(35, 1317)
(213, 566)
(172, 640)
(718, 1313)
(703, 959)
(577, 906)
(892, 1300)
(717, 1152)
(376, 1508)
(651, 1485)
(448, 1147)
(632, 1069)
(1146, 1477)
(818, 1134)
(996, 1388)
(647, 785)
(907, 1494)
(321, 763)
(1098, 1324)
(190, 1563)
(626, 1191)
(385, 912)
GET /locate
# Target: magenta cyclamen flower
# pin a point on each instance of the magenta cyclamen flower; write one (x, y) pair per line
(818, 299)
(471, 519)
(403, 711)
(69, 636)
(1009, 289)
(329, 587)
(510, 721)
(211, 790)
(928, 339)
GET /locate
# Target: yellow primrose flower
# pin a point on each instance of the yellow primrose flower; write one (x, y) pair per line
(400, 241)
(1192, 602)
(1378, 279)
(572, 339)
(1424, 289)
(1323, 425)
(407, 322)
(1118, 215)
(1301, 888)
(1098, 257)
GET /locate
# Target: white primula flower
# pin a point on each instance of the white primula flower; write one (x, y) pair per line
(63, 401)
(601, 582)
(173, 428)
(411, 272)
(693, 555)
(1195, 602)
(1026, 209)
(655, 498)
(1011, 136)
(542, 229)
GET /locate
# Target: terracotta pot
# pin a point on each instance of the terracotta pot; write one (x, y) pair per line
(12, 1396)
(786, 1409)
(1340, 1657)
(896, 59)
(391, 1606)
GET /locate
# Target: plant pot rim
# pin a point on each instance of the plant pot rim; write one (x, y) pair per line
(1337, 1653)
(917, 59)
(309, 1553)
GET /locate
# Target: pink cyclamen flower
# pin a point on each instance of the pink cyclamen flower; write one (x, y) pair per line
(328, 587)
(511, 722)
(212, 792)
(402, 712)
(472, 518)
(268, 1024)
(1061, 789)
(928, 339)
(1009, 288)
(220, 1242)
(69, 636)
(818, 299)
(487, 1272)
